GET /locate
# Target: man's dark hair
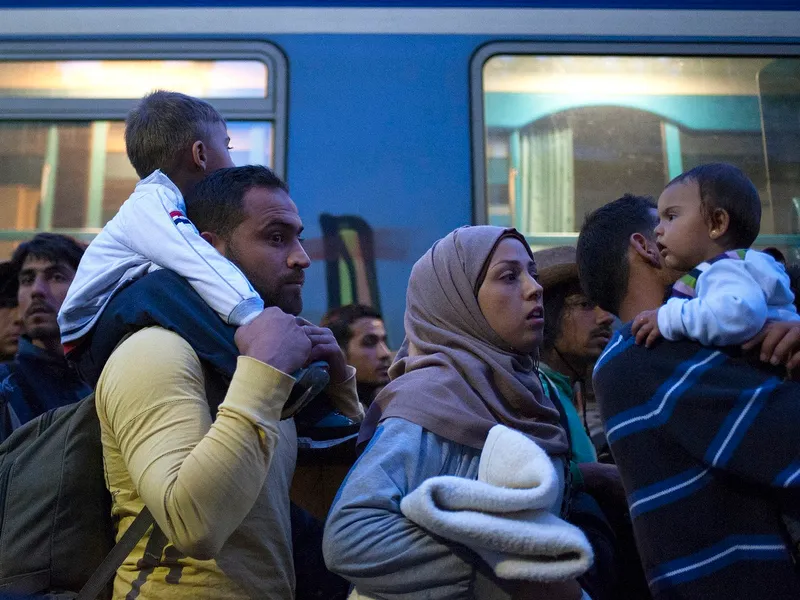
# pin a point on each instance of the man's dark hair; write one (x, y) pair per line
(727, 187)
(8, 285)
(339, 320)
(162, 126)
(602, 254)
(554, 302)
(49, 246)
(216, 203)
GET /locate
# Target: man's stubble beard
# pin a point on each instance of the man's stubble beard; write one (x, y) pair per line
(292, 306)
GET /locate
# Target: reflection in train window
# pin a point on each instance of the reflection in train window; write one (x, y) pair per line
(132, 78)
(566, 134)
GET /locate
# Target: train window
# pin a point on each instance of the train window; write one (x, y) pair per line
(564, 134)
(63, 165)
(132, 78)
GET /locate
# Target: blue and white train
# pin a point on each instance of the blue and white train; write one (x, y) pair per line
(394, 124)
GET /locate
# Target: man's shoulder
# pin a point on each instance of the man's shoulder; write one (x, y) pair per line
(628, 374)
(622, 354)
(148, 355)
(150, 364)
(153, 344)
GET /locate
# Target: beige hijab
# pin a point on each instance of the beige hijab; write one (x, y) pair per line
(459, 378)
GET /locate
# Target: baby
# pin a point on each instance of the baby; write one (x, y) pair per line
(708, 218)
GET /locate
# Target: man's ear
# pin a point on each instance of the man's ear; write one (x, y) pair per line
(199, 156)
(719, 223)
(215, 240)
(646, 249)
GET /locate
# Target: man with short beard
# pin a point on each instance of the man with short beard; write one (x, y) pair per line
(39, 378)
(192, 411)
(705, 438)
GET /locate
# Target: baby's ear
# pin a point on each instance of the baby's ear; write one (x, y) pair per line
(720, 222)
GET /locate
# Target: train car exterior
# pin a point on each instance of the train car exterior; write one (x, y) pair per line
(395, 124)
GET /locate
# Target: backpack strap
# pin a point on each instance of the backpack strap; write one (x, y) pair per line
(114, 559)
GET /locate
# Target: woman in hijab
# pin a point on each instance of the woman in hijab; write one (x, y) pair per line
(473, 323)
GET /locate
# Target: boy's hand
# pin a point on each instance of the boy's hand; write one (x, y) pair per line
(645, 328)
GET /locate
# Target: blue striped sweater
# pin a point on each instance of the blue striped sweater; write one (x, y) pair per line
(709, 451)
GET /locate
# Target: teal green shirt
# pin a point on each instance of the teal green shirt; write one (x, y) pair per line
(582, 447)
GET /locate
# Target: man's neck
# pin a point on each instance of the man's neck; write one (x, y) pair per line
(568, 366)
(641, 296)
(52, 345)
(183, 181)
(367, 392)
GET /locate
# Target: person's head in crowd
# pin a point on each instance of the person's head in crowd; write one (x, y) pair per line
(575, 329)
(776, 254)
(608, 237)
(473, 307)
(361, 334)
(247, 215)
(185, 137)
(45, 267)
(704, 212)
(473, 322)
(10, 322)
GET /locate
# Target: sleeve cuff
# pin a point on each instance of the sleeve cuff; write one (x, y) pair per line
(668, 315)
(258, 391)
(344, 396)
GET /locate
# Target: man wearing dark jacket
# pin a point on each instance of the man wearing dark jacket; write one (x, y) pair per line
(10, 324)
(706, 442)
(39, 378)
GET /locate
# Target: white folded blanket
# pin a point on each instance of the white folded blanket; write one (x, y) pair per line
(505, 516)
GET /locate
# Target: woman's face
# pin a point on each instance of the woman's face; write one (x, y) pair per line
(510, 298)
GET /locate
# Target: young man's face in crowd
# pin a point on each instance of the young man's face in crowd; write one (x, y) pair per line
(585, 328)
(367, 351)
(10, 330)
(43, 285)
(268, 248)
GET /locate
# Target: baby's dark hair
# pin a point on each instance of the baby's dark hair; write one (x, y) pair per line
(727, 187)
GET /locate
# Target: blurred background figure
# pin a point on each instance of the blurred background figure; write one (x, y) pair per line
(39, 378)
(10, 322)
(776, 254)
(326, 439)
(361, 334)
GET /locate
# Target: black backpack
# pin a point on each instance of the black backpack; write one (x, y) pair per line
(56, 531)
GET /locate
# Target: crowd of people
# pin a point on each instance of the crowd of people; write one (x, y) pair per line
(470, 464)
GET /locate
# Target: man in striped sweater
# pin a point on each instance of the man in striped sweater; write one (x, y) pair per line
(707, 442)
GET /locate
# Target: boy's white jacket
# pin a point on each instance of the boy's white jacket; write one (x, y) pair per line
(506, 515)
(151, 231)
(734, 300)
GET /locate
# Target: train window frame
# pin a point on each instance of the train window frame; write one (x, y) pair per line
(478, 130)
(272, 108)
